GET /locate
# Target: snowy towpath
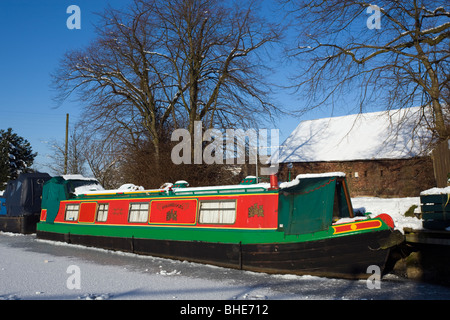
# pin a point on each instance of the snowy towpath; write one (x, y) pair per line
(32, 269)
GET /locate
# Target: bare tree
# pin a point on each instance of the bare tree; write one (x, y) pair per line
(395, 54)
(213, 54)
(104, 160)
(76, 160)
(164, 64)
(112, 76)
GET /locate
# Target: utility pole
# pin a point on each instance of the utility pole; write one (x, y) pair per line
(67, 142)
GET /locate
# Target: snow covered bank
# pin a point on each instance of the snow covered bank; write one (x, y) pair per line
(395, 207)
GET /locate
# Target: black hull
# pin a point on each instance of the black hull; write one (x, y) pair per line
(342, 257)
(22, 224)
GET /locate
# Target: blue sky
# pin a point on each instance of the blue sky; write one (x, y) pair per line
(34, 37)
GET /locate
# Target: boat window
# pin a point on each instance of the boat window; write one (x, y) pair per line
(102, 212)
(72, 212)
(218, 212)
(138, 212)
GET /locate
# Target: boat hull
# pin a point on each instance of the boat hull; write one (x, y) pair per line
(347, 256)
(23, 224)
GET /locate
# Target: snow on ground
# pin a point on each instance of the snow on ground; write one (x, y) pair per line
(42, 270)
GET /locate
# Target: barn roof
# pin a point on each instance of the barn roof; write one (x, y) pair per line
(394, 134)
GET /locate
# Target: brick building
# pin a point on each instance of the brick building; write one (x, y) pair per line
(382, 153)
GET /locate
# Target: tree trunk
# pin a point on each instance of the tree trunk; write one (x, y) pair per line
(441, 128)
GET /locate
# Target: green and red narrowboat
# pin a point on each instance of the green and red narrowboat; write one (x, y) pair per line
(293, 227)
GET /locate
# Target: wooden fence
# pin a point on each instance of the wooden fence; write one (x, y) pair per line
(441, 162)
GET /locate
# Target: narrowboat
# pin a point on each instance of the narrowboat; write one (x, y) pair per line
(21, 206)
(305, 226)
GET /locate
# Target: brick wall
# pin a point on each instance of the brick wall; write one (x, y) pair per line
(380, 178)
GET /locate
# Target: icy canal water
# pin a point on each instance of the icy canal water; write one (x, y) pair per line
(33, 269)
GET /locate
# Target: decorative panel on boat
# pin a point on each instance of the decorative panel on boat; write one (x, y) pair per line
(87, 212)
(173, 211)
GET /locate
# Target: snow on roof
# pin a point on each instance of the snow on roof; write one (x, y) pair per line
(376, 135)
(88, 189)
(215, 189)
(300, 177)
(130, 187)
(434, 191)
(320, 175)
(77, 177)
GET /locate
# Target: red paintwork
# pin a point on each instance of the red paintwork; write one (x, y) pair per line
(255, 211)
(43, 214)
(173, 211)
(356, 226)
(87, 212)
(387, 219)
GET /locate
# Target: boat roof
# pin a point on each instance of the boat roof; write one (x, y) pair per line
(208, 190)
(260, 187)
